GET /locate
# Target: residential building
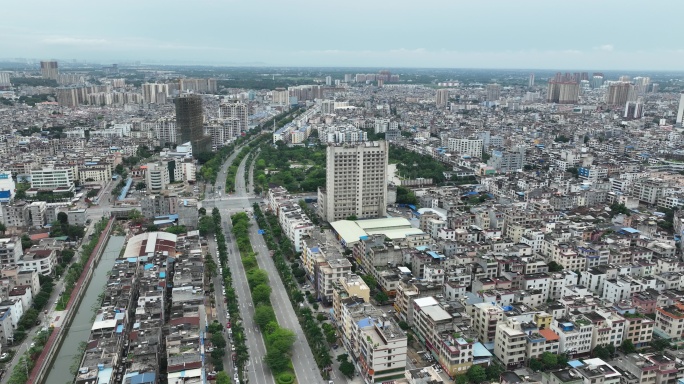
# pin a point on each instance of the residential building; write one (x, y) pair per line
(356, 181)
(485, 319)
(505, 161)
(50, 179)
(49, 69)
(10, 252)
(510, 344)
(670, 320)
(471, 146)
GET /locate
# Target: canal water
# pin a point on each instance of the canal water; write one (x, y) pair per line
(60, 372)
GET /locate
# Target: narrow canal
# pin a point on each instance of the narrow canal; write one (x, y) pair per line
(60, 372)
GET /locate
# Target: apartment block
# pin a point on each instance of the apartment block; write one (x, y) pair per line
(670, 320)
(638, 329)
(510, 344)
(10, 252)
(356, 181)
(575, 335)
(486, 317)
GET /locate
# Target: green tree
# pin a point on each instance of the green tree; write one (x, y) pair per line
(3, 228)
(67, 255)
(494, 371)
(140, 185)
(26, 242)
(263, 314)
(343, 357)
(63, 218)
(176, 229)
(218, 341)
(222, 378)
(347, 369)
(261, 294)
(257, 277)
(276, 361)
(601, 352)
(555, 267)
(628, 347)
(381, 297)
(281, 339)
(215, 327)
(461, 379)
(611, 349)
(536, 365)
(476, 374)
(660, 344)
(370, 281)
(549, 359)
(206, 225)
(135, 216)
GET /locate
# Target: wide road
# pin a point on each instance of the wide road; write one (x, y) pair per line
(256, 369)
(241, 201)
(221, 313)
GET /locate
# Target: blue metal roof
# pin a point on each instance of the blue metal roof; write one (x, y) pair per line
(365, 322)
(479, 350)
(124, 190)
(141, 378)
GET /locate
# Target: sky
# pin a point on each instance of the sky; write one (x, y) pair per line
(525, 34)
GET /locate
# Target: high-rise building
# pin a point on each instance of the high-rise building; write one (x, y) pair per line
(280, 96)
(68, 97)
(505, 161)
(680, 111)
(4, 79)
(634, 110)
(619, 93)
(223, 131)
(596, 81)
(197, 85)
(328, 80)
(493, 92)
(530, 81)
(49, 70)
(471, 146)
(166, 131)
(190, 120)
(356, 181)
(238, 111)
(154, 93)
(442, 98)
(641, 84)
(327, 107)
(564, 91)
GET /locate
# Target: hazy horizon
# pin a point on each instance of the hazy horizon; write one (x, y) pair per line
(498, 34)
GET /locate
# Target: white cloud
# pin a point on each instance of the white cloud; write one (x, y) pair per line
(65, 40)
(605, 47)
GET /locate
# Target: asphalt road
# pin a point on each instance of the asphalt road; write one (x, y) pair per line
(256, 370)
(304, 364)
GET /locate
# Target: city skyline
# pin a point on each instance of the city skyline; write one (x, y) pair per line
(527, 34)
